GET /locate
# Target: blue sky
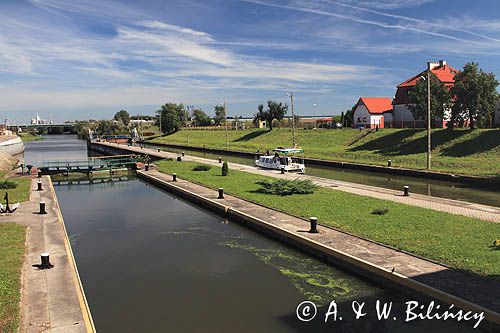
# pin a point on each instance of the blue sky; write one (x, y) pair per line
(90, 58)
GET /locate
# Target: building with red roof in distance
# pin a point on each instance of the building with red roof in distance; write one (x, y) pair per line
(402, 116)
(372, 112)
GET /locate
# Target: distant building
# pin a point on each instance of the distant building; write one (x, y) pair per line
(37, 120)
(372, 112)
(403, 117)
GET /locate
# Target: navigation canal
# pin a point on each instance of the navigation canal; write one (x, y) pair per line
(150, 262)
(437, 188)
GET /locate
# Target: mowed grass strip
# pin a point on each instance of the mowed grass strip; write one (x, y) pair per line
(458, 241)
(20, 193)
(461, 151)
(12, 247)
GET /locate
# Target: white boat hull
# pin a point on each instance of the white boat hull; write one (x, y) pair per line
(12, 146)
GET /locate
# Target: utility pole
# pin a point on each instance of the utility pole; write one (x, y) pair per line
(293, 120)
(429, 119)
(225, 123)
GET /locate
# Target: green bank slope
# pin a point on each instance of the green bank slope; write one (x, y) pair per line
(461, 151)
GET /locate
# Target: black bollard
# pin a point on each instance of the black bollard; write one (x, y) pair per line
(45, 257)
(39, 173)
(42, 208)
(39, 186)
(174, 177)
(220, 159)
(146, 167)
(282, 170)
(221, 193)
(179, 159)
(406, 190)
(182, 154)
(389, 163)
(314, 225)
(158, 149)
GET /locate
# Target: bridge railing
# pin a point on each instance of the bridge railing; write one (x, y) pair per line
(90, 162)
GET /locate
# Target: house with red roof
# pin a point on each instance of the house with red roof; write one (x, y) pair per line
(402, 115)
(372, 112)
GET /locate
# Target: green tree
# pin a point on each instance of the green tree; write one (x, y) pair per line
(274, 111)
(219, 114)
(225, 169)
(200, 118)
(170, 115)
(440, 98)
(122, 116)
(475, 96)
(110, 127)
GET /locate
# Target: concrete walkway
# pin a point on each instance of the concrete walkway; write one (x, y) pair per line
(460, 288)
(52, 300)
(482, 212)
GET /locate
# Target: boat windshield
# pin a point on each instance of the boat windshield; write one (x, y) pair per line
(283, 160)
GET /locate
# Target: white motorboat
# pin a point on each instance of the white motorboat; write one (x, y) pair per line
(281, 160)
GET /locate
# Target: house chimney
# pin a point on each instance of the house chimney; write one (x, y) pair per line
(442, 63)
(433, 64)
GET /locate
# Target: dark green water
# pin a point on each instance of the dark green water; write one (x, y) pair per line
(150, 262)
(437, 188)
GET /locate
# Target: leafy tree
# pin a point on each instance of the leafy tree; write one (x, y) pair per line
(475, 96)
(347, 121)
(122, 116)
(225, 169)
(170, 115)
(109, 127)
(440, 98)
(200, 118)
(219, 114)
(274, 110)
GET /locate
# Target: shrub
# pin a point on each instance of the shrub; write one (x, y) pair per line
(286, 187)
(379, 211)
(201, 167)
(8, 184)
(225, 169)
(496, 244)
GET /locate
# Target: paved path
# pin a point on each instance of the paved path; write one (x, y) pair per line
(465, 286)
(482, 212)
(52, 300)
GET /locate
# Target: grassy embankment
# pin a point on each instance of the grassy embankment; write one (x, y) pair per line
(20, 193)
(12, 244)
(461, 151)
(26, 137)
(458, 241)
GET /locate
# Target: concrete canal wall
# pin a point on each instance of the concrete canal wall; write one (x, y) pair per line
(485, 182)
(52, 300)
(386, 265)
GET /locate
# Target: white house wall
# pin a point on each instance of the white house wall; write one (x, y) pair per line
(361, 113)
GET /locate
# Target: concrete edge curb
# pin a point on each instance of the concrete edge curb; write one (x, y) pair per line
(84, 306)
(309, 244)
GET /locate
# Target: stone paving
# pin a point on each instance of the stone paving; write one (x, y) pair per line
(482, 212)
(465, 286)
(51, 299)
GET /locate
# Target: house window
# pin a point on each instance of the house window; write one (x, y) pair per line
(364, 119)
(359, 120)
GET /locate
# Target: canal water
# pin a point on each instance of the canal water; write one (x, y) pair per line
(150, 262)
(444, 189)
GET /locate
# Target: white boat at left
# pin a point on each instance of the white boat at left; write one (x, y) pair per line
(282, 161)
(11, 144)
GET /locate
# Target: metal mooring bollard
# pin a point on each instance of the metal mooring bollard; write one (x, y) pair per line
(174, 177)
(39, 186)
(221, 193)
(182, 154)
(406, 190)
(389, 163)
(179, 159)
(146, 167)
(39, 173)
(282, 170)
(45, 257)
(42, 208)
(220, 159)
(314, 225)
(159, 149)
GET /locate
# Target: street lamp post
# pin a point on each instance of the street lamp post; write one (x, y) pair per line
(429, 146)
(290, 94)
(223, 104)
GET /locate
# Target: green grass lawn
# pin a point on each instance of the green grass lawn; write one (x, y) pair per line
(20, 193)
(12, 245)
(458, 241)
(26, 136)
(461, 151)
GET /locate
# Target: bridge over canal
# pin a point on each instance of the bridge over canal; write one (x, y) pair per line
(88, 165)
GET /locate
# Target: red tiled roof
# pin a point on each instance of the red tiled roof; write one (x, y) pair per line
(444, 73)
(377, 104)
